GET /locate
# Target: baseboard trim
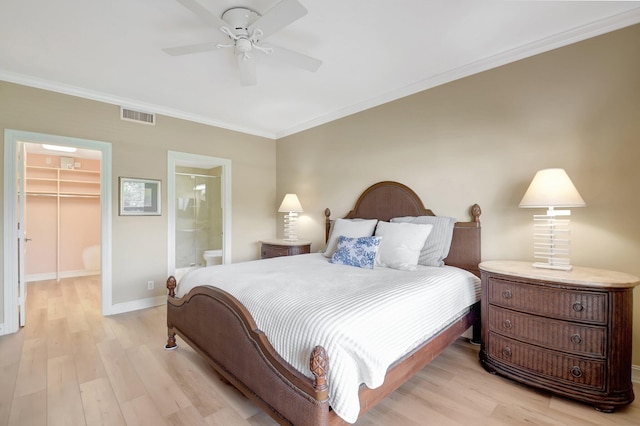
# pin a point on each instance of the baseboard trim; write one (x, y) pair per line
(2, 328)
(635, 373)
(136, 305)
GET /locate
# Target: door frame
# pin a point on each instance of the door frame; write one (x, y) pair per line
(175, 158)
(11, 140)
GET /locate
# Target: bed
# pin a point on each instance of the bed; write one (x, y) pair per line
(219, 327)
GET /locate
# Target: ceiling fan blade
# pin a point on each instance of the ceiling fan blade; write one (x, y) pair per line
(278, 17)
(192, 48)
(294, 58)
(203, 13)
(247, 71)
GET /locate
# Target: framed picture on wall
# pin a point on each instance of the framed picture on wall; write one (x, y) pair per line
(139, 197)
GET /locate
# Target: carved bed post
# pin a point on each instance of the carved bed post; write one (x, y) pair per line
(171, 341)
(477, 324)
(475, 213)
(327, 224)
(171, 335)
(171, 286)
(319, 365)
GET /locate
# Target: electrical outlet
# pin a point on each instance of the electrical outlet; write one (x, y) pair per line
(150, 285)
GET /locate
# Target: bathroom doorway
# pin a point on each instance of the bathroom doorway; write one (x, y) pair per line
(199, 212)
(198, 217)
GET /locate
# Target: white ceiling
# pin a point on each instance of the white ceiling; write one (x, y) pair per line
(373, 51)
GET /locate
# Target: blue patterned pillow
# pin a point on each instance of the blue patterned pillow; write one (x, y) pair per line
(360, 252)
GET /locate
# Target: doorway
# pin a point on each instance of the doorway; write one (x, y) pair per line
(62, 211)
(199, 211)
(198, 217)
(14, 295)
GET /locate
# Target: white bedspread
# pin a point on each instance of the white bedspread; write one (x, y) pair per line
(365, 319)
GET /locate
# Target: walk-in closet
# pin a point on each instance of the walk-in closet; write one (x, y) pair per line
(62, 215)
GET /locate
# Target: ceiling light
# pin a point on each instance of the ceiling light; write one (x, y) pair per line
(59, 148)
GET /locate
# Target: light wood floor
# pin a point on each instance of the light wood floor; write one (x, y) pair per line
(70, 366)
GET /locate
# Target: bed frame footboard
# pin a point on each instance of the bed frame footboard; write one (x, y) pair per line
(222, 331)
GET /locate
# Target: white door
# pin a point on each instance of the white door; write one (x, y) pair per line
(22, 234)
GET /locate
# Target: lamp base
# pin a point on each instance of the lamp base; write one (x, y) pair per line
(290, 226)
(551, 266)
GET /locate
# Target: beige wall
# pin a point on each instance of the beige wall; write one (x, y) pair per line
(481, 139)
(140, 243)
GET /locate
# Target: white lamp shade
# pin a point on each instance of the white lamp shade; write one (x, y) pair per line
(552, 188)
(290, 203)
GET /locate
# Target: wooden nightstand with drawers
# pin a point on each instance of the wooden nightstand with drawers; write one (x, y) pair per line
(568, 333)
(276, 248)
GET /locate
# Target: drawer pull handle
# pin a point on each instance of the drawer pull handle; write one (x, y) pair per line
(506, 352)
(507, 324)
(576, 339)
(578, 307)
(507, 294)
(576, 372)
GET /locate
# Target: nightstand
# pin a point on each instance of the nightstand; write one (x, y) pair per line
(276, 248)
(565, 332)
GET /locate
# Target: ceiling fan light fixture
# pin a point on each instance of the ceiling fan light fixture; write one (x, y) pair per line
(243, 45)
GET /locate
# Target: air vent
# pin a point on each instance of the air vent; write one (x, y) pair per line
(137, 116)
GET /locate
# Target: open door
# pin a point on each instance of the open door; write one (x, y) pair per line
(22, 235)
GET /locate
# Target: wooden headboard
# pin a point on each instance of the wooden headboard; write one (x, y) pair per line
(386, 200)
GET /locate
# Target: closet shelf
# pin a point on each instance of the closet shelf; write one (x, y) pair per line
(62, 195)
(39, 179)
(64, 170)
(52, 181)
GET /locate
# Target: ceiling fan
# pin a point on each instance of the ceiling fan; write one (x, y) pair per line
(246, 29)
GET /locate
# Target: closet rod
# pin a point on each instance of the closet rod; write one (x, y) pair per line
(37, 194)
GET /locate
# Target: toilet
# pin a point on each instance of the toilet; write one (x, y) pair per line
(212, 257)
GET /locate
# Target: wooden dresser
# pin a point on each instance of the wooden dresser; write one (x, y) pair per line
(276, 248)
(566, 332)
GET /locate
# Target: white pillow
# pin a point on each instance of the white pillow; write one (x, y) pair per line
(352, 228)
(437, 246)
(401, 244)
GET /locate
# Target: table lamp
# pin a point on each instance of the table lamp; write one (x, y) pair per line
(291, 206)
(552, 188)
